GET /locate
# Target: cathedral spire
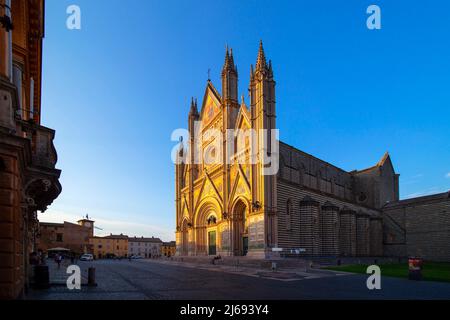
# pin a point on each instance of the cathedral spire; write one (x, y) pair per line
(229, 61)
(231, 57)
(229, 78)
(194, 109)
(270, 70)
(261, 63)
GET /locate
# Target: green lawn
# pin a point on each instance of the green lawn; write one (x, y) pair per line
(432, 271)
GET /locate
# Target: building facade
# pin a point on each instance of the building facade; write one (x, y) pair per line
(74, 237)
(230, 207)
(144, 247)
(169, 249)
(109, 246)
(29, 181)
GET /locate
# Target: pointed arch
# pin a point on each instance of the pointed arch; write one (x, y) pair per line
(239, 226)
(208, 207)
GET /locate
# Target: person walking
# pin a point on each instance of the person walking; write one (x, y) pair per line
(59, 260)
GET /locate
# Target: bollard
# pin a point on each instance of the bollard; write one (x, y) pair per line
(41, 277)
(91, 277)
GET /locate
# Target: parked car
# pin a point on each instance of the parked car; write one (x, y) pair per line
(87, 257)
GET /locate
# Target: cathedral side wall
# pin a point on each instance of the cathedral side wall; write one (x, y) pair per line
(293, 233)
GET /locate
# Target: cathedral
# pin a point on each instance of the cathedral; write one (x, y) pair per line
(308, 207)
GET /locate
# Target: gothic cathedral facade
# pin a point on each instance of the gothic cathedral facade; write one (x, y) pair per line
(232, 208)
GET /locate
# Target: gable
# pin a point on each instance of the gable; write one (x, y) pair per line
(211, 105)
(240, 185)
(243, 118)
(386, 164)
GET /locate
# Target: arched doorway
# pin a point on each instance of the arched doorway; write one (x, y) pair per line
(205, 227)
(184, 238)
(239, 229)
(212, 234)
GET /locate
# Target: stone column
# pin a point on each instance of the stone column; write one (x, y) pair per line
(6, 56)
(347, 232)
(330, 229)
(376, 236)
(310, 226)
(4, 44)
(362, 234)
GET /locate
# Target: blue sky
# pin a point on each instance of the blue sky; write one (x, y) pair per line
(116, 89)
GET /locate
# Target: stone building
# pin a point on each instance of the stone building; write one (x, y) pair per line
(74, 237)
(144, 247)
(418, 227)
(109, 246)
(28, 177)
(169, 249)
(229, 207)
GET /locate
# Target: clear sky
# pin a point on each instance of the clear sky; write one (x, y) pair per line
(116, 89)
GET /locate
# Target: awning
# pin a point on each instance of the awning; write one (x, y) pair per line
(58, 249)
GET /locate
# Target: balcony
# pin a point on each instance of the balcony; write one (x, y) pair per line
(42, 178)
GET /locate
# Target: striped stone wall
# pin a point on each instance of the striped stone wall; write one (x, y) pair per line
(324, 225)
(330, 229)
(418, 227)
(310, 226)
(362, 234)
(347, 232)
(376, 236)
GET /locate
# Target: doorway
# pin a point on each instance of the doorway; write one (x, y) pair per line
(239, 230)
(212, 243)
(244, 246)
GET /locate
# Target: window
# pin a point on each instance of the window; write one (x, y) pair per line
(288, 214)
(17, 79)
(59, 237)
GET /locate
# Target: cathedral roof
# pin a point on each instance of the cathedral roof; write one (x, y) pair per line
(423, 199)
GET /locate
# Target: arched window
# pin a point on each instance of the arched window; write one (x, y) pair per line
(288, 214)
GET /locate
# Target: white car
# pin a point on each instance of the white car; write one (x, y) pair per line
(87, 257)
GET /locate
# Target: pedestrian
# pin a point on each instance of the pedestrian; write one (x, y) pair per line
(58, 260)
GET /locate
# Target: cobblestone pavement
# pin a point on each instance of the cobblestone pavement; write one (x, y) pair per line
(291, 274)
(148, 279)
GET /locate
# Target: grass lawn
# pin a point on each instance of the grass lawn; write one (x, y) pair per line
(431, 271)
